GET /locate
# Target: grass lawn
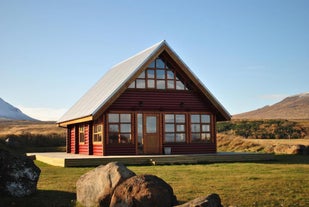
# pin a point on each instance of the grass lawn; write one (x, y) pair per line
(284, 182)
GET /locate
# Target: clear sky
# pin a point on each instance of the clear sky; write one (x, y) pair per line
(248, 53)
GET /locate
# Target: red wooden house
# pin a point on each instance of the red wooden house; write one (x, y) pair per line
(151, 103)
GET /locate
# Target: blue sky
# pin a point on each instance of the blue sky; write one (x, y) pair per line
(248, 53)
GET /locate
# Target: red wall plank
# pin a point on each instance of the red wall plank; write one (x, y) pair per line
(160, 101)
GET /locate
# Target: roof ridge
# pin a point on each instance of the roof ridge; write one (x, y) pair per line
(158, 44)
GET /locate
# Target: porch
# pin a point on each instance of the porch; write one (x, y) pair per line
(63, 159)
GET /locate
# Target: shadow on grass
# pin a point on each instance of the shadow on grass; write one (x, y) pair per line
(290, 159)
(42, 198)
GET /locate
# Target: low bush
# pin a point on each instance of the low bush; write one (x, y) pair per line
(34, 140)
(263, 129)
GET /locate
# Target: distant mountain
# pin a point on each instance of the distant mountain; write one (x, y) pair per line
(9, 112)
(293, 107)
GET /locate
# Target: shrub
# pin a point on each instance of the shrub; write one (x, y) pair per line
(263, 129)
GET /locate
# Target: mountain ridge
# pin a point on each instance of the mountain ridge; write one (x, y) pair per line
(292, 107)
(10, 112)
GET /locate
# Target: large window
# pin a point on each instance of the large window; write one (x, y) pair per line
(97, 133)
(200, 128)
(174, 128)
(119, 128)
(81, 134)
(158, 76)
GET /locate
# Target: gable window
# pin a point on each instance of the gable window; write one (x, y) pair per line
(158, 76)
(81, 133)
(200, 128)
(174, 128)
(97, 133)
(119, 128)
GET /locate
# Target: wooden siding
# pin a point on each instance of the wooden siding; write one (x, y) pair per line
(120, 149)
(97, 149)
(192, 148)
(72, 139)
(156, 100)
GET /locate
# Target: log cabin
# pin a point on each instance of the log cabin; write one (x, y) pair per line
(151, 103)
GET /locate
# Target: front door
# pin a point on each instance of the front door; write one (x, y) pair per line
(151, 134)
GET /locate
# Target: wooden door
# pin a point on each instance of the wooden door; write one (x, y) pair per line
(151, 134)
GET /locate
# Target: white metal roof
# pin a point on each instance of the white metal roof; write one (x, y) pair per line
(108, 85)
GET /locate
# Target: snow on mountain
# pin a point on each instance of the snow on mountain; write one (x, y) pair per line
(9, 112)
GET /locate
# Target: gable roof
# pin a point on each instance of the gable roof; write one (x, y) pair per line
(118, 78)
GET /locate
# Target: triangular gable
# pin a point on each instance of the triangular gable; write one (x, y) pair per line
(117, 80)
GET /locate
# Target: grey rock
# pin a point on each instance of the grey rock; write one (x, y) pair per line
(143, 191)
(18, 174)
(96, 187)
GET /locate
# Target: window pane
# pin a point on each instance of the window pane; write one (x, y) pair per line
(150, 83)
(132, 85)
(159, 63)
(171, 84)
(150, 74)
(152, 64)
(113, 128)
(205, 128)
(195, 118)
(125, 117)
(180, 118)
(113, 137)
(169, 128)
(97, 128)
(169, 137)
(160, 74)
(125, 138)
(151, 124)
(140, 127)
(169, 118)
(195, 127)
(142, 75)
(160, 84)
(180, 128)
(113, 118)
(97, 138)
(180, 85)
(205, 119)
(140, 83)
(196, 137)
(170, 74)
(125, 128)
(205, 137)
(180, 137)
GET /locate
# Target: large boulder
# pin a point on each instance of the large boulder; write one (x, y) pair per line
(96, 187)
(143, 191)
(18, 174)
(212, 200)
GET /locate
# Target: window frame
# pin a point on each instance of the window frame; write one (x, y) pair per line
(203, 136)
(81, 131)
(120, 124)
(97, 133)
(150, 78)
(174, 130)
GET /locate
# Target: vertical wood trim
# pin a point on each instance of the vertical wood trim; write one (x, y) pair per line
(104, 134)
(214, 131)
(68, 140)
(76, 127)
(90, 138)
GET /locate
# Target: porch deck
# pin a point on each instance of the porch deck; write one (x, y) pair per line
(63, 159)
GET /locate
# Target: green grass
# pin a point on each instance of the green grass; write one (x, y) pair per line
(284, 182)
